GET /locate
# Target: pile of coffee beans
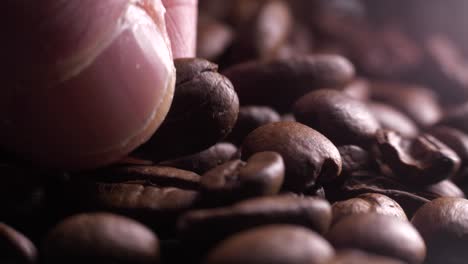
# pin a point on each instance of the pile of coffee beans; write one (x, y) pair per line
(306, 132)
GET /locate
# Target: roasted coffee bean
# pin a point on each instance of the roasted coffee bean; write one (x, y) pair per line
(288, 79)
(215, 224)
(358, 89)
(100, 237)
(418, 102)
(203, 112)
(342, 119)
(15, 248)
(443, 223)
(261, 175)
(250, 118)
(379, 234)
(309, 157)
(361, 257)
(213, 38)
(420, 161)
(458, 142)
(354, 159)
(367, 203)
(263, 34)
(274, 244)
(151, 194)
(441, 189)
(204, 161)
(391, 119)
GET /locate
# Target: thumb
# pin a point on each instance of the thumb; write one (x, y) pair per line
(84, 81)
(181, 20)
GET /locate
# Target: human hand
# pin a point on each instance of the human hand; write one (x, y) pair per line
(84, 81)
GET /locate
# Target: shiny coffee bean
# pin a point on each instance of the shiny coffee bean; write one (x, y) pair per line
(204, 161)
(417, 102)
(360, 257)
(309, 157)
(443, 223)
(100, 237)
(261, 175)
(391, 119)
(367, 203)
(445, 188)
(287, 79)
(250, 118)
(215, 224)
(203, 112)
(153, 195)
(342, 119)
(354, 159)
(213, 38)
(379, 234)
(458, 142)
(274, 244)
(15, 248)
(420, 161)
(262, 35)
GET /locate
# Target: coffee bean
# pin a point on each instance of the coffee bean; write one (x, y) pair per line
(420, 161)
(250, 118)
(213, 37)
(287, 79)
(360, 257)
(100, 237)
(310, 158)
(261, 175)
(444, 188)
(443, 223)
(367, 203)
(204, 161)
(272, 244)
(203, 112)
(418, 102)
(391, 119)
(354, 159)
(342, 119)
(215, 224)
(379, 234)
(15, 248)
(458, 142)
(151, 194)
(262, 35)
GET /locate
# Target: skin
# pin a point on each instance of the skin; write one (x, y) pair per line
(58, 123)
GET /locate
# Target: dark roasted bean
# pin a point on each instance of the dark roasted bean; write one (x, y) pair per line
(342, 119)
(250, 118)
(206, 160)
(379, 234)
(367, 203)
(443, 223)
(203, 112)
(261, 175)
(392, 119)
(308, 155)
(215, 224)
(103, 238)
(420, 161)
(354, 159)
(275, 244)
(287, 79)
